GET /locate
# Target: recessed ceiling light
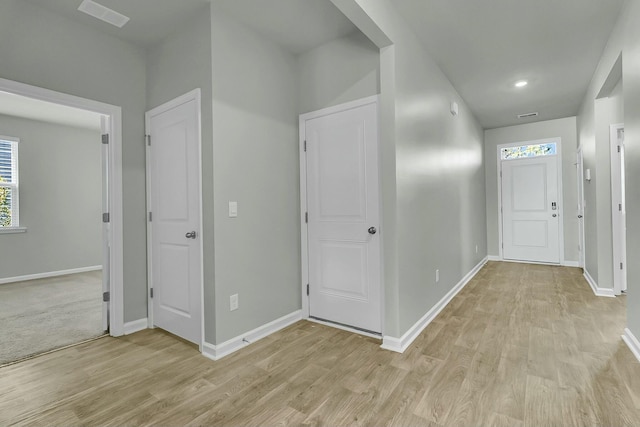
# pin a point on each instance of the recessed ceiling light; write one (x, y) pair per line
(103, 13)
(521, 83)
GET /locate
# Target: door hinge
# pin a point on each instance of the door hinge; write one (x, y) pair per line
(305, 145)
(105, 138)
(106, 217)
(306, 217)
(618, 148)
(148, 139)
(150, 217)
(502, 245)
(620, 207)
(307, 289)
(106, 296)
(621, 266)
(150, 292)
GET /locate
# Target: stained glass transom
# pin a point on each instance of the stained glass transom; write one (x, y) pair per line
(524, 151)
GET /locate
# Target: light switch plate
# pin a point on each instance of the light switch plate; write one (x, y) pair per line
(233, 209)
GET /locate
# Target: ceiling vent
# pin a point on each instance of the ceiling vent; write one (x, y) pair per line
(103, 13)
(527, 115)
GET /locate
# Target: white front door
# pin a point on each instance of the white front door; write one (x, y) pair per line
(531, 209)
(174, 199)
(344, 216)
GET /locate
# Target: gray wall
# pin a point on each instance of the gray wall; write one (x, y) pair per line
(626, 39)
(60, 199)
(342, 70)
(255, 159)
(434, 212)
(177, 65)
(43, 49)
(566, 130)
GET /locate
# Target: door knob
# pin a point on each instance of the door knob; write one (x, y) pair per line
(190, 235)
(372, 230)
(579, 216)
(554, 215)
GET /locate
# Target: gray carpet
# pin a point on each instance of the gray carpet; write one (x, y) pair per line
(41, 315)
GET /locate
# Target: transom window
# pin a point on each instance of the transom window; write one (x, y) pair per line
(524, 151)
(9, 182)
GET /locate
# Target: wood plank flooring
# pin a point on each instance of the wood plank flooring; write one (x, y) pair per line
(521, 345)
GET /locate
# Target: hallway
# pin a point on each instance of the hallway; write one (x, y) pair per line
(521, 345)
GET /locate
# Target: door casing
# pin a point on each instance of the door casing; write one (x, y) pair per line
(113, 231)
(194, 95)
(304, 243)
(561, 207)
(617, 220)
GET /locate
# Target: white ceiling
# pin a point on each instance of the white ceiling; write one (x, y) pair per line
(297, 25)
(484, 47)
(29, 108)
(151, 20)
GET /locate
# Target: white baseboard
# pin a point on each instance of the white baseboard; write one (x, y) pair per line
(216, 352)
(49, 274)
(598, 291)
(570, 264)
(632, 342)
(401, 344)
(493, 258)
(135, 326)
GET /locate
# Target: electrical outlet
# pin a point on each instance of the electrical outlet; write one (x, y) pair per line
(233, 302)
(437, 276)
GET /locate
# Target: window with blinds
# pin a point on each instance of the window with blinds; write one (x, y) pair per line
(9, 182)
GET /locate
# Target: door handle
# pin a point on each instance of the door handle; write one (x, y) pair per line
(579, 216)
(554, 215)
(190, 235)
(372, 230)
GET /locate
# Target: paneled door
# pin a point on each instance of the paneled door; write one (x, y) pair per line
(344, 215)
(174, 205)
(531, 209)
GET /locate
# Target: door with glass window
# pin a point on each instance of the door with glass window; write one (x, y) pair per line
(530, 203)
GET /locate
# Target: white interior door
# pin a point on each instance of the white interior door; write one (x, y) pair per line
(530, 209)
(344, 217)
(174, 197)
(580, 208)
(619, 220)
(106, 245)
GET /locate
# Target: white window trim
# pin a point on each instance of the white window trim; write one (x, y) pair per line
(12, 230)
(14, 186)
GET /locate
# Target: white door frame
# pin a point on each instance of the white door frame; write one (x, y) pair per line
(561, 207)
(617, 225)
(194, 95)
(580, 211)
(304, 227)
(114, 232)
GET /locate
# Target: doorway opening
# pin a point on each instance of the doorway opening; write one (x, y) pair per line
(46, 268)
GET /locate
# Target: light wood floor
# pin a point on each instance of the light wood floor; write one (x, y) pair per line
(521, 345)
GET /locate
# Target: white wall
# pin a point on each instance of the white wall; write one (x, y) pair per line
(624, 39)
(60, 199)
(255, 162)
(433, 172)
(566, 130)
(47, 50)
(342, 70)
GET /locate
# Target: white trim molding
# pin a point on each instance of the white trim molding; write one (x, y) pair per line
(571, 263)
(219, 351)
(49, 274)
(632, 342)
(598, 291)
(135, 326)
(399, 345)
(494, 258)
(12, 230)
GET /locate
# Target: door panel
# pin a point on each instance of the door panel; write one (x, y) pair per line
(175, 205)
(342, 196)
(530, 201)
